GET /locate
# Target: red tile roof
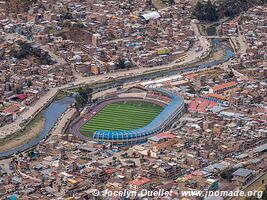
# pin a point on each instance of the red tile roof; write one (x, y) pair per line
(111, 170)
(22, 96)
(225, 85)
(190, 76)
(201, 105)
(140, 181)
(12, 108)
(166, 135)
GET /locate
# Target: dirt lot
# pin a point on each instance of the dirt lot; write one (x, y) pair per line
(213, 73)
(76, 35)
(159, 4)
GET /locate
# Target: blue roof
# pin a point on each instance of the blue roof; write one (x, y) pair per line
(13, 197)
(153, 127)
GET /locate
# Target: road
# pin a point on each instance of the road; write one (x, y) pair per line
(242, 41)
(191, 57)
(29, 177)
(57, 131)
(254, 185)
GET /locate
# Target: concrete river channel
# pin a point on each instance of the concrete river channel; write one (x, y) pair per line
(54, 110)
(51, 114)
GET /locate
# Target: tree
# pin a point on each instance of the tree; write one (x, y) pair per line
(79, 102)
(199, 11)
(18, 90)
(83, 93)
(192, 90)
(83, 96)
(142, 160)
(29, 83)
(171, 2)
(121, 63)
(31, 154)
(211, 13)
(229, 12)
(149, 3)
(66, 15)
(205, 11)
(26, 49)
(227, 174)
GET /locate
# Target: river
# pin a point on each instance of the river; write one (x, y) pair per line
(229, 53)
(51, 114)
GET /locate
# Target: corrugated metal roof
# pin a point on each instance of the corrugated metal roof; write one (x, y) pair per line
(242, 172)
(151, 15)
(260, 148)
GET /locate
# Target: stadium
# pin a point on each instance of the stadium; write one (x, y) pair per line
(128, 117)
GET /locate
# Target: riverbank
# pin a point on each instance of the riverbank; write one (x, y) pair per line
(33, 130)
(104, 84)
(51, 114)
(136, 73)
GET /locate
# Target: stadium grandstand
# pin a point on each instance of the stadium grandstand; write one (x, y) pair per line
(172, 108)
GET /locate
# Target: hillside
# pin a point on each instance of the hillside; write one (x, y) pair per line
(230, 8)
(214, 10)
(18, 6)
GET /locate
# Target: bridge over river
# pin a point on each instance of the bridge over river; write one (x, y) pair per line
(53, 112)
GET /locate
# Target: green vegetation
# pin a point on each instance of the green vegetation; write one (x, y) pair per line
(35, 122)
(60, 95)
(84, 95)
(228, 173)
(66, 15)
(71, 24)
(208, 11)
(26, 49)
(39, 118)
(29, 83)
(230, 8)
(122, 116)
(192, 90)
(205, 11)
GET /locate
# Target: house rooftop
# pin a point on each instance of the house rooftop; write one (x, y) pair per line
(225, 85)
(140, 181)
(260, 148)
(242, 172)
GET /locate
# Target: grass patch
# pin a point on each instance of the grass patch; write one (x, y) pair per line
(61, 95)
(121, 116)
(34, 123)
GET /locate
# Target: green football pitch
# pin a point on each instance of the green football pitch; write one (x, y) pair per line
(121, 116)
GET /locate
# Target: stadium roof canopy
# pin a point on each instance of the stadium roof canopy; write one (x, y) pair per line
(154, 126)
(151, 15)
